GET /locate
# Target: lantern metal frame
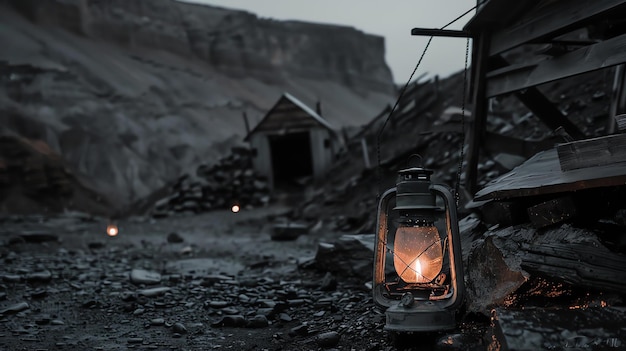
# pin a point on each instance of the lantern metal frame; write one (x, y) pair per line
(412, 312)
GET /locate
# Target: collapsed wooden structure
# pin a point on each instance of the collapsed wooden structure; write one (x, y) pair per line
(554, 40)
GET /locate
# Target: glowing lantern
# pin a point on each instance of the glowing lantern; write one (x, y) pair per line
(235, 208)
(112, 229)
(420, 236)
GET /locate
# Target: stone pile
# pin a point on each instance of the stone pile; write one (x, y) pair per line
(230, 182)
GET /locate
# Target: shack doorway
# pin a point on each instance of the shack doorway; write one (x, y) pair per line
(291, 158)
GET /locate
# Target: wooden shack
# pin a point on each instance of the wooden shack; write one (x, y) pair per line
(558, 39)
(293, 143)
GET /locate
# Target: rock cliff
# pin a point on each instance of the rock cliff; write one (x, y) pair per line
(134, 93)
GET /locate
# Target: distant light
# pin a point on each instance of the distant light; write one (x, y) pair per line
(112, 230)
(235, 208)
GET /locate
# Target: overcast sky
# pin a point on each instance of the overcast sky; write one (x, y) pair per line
(391, 19)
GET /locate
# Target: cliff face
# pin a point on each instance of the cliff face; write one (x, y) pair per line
(235, 42)
(134, 93)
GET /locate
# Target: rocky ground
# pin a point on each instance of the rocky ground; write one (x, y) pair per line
(210, 281)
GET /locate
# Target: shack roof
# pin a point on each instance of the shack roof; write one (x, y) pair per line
(290, 115)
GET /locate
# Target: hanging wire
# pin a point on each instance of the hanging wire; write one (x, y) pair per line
(395, 106)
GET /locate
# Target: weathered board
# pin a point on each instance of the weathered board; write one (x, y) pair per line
(599, 151)
(542, 174)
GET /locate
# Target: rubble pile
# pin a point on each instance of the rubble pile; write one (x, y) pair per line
(230, 182)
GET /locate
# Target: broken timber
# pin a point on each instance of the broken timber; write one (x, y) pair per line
(542, 175)
(505, 258)
(599, 151)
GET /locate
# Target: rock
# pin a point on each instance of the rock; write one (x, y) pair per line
(288, 231)
(154, 291)
(492, 277)
(174, 238)
(328, 339)
(350, 256)
(39, 293)
(134, 340)
(141, 276)
(258, 321)
(179, 328)
(157, 321)
(234, 321)
(39, 277)
(329, 282)
(218, 304)
(18, 307)
(300, 330)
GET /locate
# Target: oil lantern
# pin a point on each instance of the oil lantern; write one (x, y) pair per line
(418, 273)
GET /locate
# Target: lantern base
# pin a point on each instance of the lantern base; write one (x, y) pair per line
(421, 317)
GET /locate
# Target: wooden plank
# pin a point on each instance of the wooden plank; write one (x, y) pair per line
(592, 152)
(551, 20)
(542, 174)
(593, 57)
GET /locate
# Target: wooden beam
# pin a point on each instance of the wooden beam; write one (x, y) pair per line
(435, 32)
(553, 19)
(547, 112)
(608, 53)
(494, 13)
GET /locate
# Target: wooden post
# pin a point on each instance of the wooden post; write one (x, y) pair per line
(366, 154)
(245, 121)
(618, 98)
(480, 51)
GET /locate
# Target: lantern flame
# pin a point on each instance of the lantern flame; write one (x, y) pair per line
(235, 208)
(418, 270)
(112, 230)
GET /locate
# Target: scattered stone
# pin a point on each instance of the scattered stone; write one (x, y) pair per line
(234, 321)
(18, 307)
(258, 321)
(287, 231)
(39, 293)
(218, 304)
(329, 282)
(135, 340)
(300, 330)
(141, 276)
(174, 238)
(154, 291)
(328, 339)
(12, 278)
(41, 277)
(179, 328)
(157, 321)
